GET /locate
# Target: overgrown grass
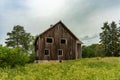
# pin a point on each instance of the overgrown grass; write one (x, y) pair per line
(83, 69)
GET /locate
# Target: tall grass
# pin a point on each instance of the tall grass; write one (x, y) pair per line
(83, 69)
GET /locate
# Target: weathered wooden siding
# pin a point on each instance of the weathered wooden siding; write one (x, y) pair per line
(57, 33)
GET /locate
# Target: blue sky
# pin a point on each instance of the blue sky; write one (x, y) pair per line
(83, 17)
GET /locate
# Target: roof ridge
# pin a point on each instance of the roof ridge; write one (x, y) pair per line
(64, 27)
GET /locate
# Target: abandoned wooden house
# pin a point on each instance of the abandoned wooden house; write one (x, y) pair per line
(56, 43)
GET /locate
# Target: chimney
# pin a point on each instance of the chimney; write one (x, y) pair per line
(51, 25)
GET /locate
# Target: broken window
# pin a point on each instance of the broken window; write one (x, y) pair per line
(47, 52)
(60, 52)
(63, 41)
(49, 40)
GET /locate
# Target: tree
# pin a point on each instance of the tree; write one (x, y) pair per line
(99, 50)
(89, 51)
(104, 36)
(119, 40)
(110, 39)
(114, 44)
(84, 51)
(18, 37)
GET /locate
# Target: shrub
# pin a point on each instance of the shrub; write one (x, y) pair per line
(12, 57)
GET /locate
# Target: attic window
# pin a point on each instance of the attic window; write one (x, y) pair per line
(60, 52)
(49, 40)
(63, 41)
(46, 52)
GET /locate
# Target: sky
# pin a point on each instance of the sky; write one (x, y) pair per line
(83, 17)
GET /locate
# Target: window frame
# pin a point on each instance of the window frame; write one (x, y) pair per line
(60, 50)
(48, 53)
(63, 39)
(49, 38)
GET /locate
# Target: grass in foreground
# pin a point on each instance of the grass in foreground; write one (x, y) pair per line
(83, 69)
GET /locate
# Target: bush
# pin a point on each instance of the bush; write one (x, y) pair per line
(31, 58)
(12, 57)
(89, 51)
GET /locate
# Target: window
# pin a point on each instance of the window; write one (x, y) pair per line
(63, 41)
(60, 52)
(49, 40)
(47, 52)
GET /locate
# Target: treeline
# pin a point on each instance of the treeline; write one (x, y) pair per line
(94, 50)
(109, 42)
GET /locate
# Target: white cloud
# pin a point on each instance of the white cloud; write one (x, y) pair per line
(44, 7)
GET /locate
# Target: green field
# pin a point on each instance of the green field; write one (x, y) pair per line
(83, 69)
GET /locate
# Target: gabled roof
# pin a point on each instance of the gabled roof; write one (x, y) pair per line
(60, 22)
